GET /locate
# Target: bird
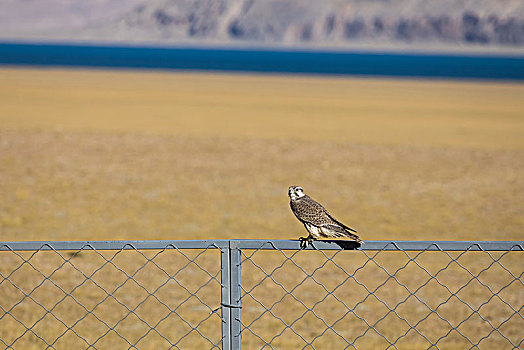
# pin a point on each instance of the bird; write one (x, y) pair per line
(316, 219)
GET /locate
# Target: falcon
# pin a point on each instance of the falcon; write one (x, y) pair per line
(318, 222)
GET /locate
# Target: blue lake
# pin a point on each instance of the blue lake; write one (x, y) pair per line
(266, 61)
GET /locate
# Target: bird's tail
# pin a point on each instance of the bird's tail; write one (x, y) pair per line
(353, 236)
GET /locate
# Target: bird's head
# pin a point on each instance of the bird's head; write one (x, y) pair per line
(295, 192)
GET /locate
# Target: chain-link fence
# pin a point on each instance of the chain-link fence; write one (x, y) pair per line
(261, 294)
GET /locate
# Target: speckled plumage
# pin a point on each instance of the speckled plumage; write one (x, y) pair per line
(318, 222)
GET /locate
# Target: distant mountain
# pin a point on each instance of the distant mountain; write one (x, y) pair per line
(325, 23)
(57, 18)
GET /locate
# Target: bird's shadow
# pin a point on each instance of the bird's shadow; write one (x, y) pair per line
(343, 244)
(346, 245)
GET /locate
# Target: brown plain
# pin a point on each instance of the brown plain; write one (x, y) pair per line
(105, 155)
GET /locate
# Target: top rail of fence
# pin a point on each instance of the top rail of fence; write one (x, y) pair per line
(264, 244)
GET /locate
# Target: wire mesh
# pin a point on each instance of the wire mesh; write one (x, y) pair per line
(173, 294)
(126, 298)
(384, 299)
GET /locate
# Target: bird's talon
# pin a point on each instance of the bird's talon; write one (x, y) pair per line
(310, 241)
(303, 242)
(306, 241)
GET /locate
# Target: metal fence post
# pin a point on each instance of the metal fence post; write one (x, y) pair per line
(235, 297)
(225, 272)
(231, 293)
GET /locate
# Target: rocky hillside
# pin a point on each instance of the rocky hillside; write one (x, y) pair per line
(338, 23)
(57, 18)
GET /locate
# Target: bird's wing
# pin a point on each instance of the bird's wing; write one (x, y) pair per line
(338, 231)
(339, 223)
(309, 211)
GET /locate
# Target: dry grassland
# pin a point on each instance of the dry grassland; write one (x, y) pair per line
(120, 155)
(98, 155)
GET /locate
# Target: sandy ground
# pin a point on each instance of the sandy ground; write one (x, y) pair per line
(92, 155)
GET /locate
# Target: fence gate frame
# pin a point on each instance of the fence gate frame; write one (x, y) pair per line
(231, 296)
(231, 258)
(231, 261)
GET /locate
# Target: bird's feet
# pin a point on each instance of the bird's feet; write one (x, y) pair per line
(305, 241)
